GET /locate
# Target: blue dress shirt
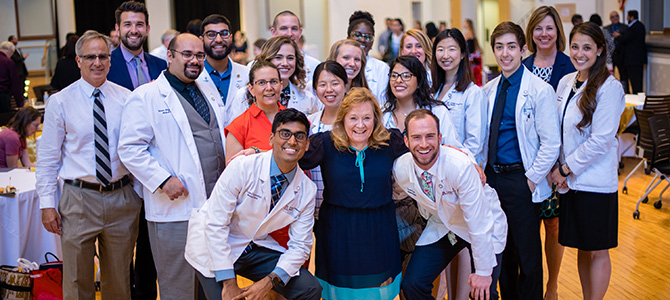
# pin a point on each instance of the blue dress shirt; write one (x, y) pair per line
(222, 81)
(508, 144)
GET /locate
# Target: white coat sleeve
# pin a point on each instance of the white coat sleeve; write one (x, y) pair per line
(300, 233)
(475, 121)
(546, 124)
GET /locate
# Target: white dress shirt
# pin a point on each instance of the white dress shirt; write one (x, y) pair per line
(67, 145)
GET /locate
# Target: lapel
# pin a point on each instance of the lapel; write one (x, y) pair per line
(121, 69)
(565, 93)
(212, 95)
(414, 188)
(287, 199)
(492, 97)
(235, 80)
(522, 97)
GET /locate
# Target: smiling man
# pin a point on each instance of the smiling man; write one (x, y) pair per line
(255, 196)
(131, 66)
(460, 211)
(523, 145)
(172, 142)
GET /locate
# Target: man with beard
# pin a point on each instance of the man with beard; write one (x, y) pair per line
(171, 142)
(114, 37)
(220, 71)
(131, 66)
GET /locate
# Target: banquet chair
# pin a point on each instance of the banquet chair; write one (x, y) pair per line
(644, 144)
(659, 160)
(660, 104)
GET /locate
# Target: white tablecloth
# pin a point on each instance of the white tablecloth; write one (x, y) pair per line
(22, 233)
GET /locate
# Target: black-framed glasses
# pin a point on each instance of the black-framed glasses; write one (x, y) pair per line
(262, 83)
(405, 76)
(286, 134)
(211, 34)
(188, 55)
(362, 36)
(93, 57)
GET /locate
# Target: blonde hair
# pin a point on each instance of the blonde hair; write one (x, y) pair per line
(355, 97)
(423, 39)
(359, 80)
(271, 47)
(538, 15)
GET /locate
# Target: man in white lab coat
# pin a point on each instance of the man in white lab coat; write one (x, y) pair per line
(171, 140)
(255, 196)
(460, 211)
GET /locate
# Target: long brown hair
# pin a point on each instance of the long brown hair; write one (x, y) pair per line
(354, 97)
(359, 80)
(597, 73)
(23, 118)
(271, 47)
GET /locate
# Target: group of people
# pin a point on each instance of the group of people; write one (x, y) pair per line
(210, 169)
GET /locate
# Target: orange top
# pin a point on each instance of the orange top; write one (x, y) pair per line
(252, 128)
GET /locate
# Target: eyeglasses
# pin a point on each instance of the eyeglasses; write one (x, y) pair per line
(261, 83)
(211, 34)
(405, 76)
(286, 134)
(93, 57)
(187, 55)
(362, 36)
(36, 125)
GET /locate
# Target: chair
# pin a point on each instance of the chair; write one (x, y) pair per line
(659, 127)
(644, 143)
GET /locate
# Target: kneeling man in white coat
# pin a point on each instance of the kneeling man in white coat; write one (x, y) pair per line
(255, 196)
(461, 212)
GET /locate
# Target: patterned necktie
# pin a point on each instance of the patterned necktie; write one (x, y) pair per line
(427, 184)
(103, 171)
(277, 182)
(140, 74)
(198, 102)
(498, 110)
(285, 95)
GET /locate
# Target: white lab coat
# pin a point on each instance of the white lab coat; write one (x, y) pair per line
(462, 205)
(377, 76)
(468, 110)
(302, 100)
(156, 142)
(237, 213)
(536, 128)
(447, 128)
(592, 154)
(239, 77)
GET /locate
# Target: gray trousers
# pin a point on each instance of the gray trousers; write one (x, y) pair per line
(111, 218)
(176, 278)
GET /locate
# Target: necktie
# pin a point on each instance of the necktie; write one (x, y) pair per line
(427, 184)
(495, 122)
(103, 171)
(198, 102)
(140, 74)
(276, 187)
(285, 95)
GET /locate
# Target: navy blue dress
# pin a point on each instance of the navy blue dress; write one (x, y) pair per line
(357, 246)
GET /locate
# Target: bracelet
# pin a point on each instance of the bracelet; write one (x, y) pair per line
(560, 170)
(255, 149)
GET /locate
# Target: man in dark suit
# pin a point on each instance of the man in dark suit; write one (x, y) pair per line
(634, 53)
(18, 57)
(130, 68)
(616, 26)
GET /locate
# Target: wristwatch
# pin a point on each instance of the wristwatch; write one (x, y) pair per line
(276, 281)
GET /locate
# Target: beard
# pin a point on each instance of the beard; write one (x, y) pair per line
(132, 47)
(217, 56)
(191, 74)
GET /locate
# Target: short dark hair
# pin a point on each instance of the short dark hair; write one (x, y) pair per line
(290, 115)
(10, 38)
(575, 18)
(633, 13)
(214, 19)
(359, 17)
(401, 23)
(285, 13)
(21, 119)
(131, 6)
(505, 28)
(331, 67)
(193, 27)
(595, 18)
(420, 114)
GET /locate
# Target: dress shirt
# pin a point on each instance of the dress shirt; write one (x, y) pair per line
(67, 147)
(508, 144)
(447, 128)
(9, 80)
(221, 80)
(132, 66)
(160, 52)
(181, 87)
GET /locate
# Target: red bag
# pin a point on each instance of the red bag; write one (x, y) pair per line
(48, 280)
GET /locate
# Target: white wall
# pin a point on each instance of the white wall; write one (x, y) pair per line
(160, 19)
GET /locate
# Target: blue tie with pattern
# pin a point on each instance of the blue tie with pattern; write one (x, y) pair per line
(277, 182)
(200, 104)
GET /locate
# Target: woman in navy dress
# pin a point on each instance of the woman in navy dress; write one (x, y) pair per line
(357, 247)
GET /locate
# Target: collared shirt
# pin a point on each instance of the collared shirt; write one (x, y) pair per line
(67, 146)
(252, 128)
(614, 27)
(132, 66)
(274, 171)
(9, 80)
(508, 143)
(221, 80)
(181, 87)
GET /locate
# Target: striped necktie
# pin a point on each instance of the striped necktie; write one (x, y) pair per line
(140, 73)
(103, 171)
(277, 182)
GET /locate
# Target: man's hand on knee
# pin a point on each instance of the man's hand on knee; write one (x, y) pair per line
(231, 290)
(256, 291)
(479, 286)
(51, 220)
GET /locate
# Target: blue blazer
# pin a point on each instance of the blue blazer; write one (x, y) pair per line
(118, 72)
(562, 66)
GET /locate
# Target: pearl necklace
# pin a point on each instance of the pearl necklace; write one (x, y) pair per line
(574, 84)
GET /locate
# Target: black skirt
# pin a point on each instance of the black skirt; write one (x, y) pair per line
(589, 221)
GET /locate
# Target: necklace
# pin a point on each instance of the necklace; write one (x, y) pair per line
(574, 84)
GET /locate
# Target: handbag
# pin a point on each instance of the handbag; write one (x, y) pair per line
(14, 285)
(48, 280)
